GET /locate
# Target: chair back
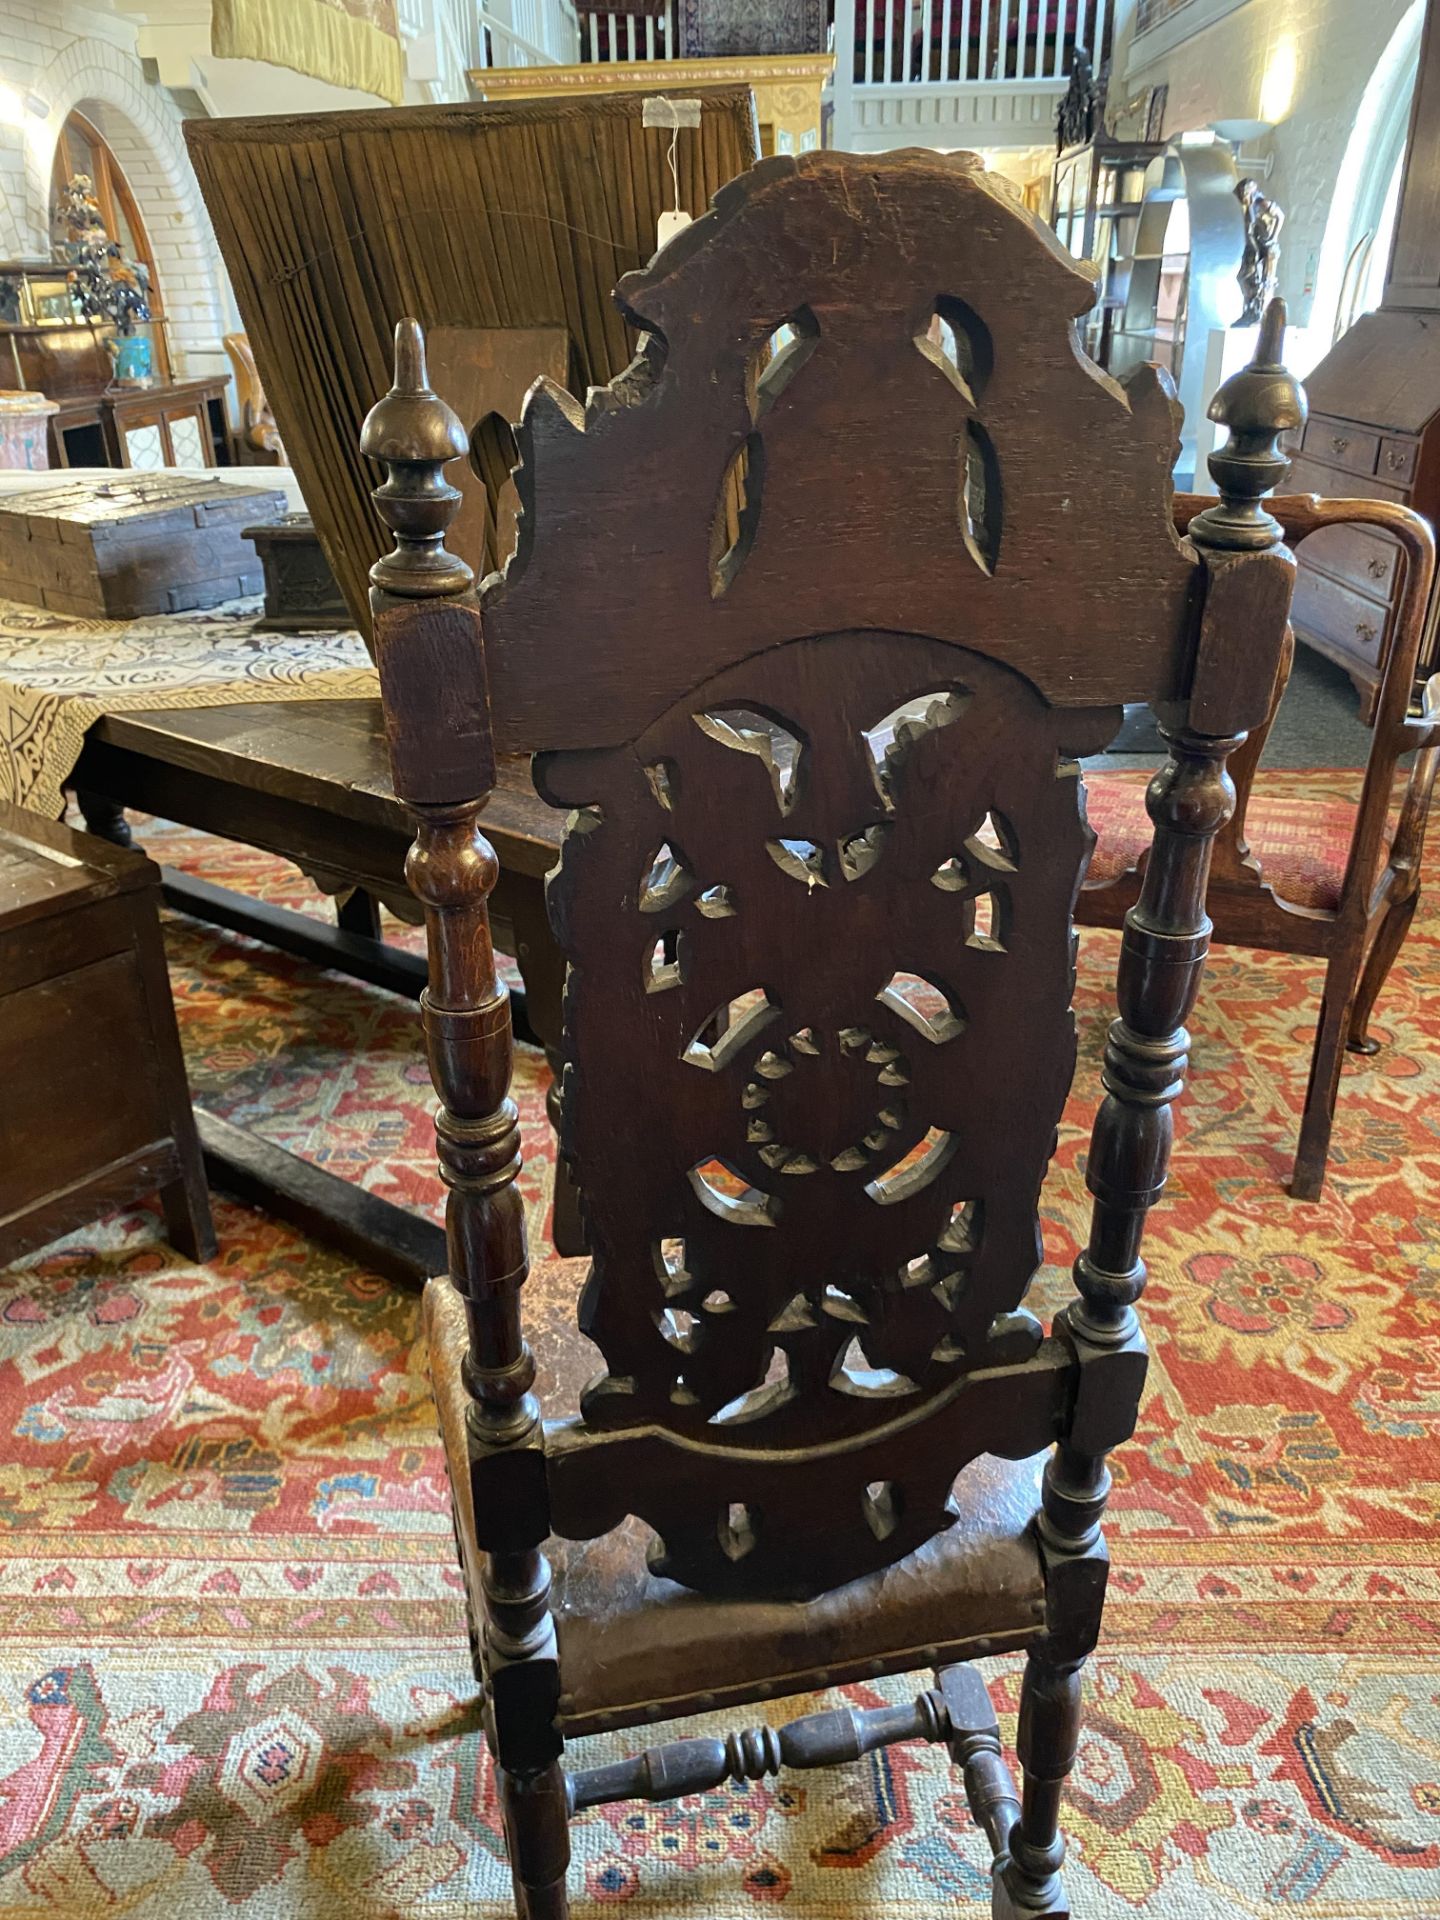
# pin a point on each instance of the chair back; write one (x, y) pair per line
(813, 613)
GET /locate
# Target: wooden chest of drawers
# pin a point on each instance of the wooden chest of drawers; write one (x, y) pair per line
(1373, 432)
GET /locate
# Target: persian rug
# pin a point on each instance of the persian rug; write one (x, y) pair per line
(233, 1675)
(60, 673)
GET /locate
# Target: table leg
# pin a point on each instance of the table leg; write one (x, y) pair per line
(359, 912)
(542, 968)
(103, 817)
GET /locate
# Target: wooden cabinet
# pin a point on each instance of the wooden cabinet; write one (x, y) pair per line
(1374, 431)
(180, 424)
(1374, 427)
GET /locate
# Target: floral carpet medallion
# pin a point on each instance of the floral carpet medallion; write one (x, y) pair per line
(233, 1676)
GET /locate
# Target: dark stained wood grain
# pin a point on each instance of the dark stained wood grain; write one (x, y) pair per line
(816, 892)
(96, 1111)
(605, 496)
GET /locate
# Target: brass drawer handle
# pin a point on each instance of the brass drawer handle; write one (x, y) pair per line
(1364, 631)
(1339, 442)
(1375, 569)
(1396, 458)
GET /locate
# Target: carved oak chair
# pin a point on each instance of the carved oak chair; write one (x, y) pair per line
(816, 895)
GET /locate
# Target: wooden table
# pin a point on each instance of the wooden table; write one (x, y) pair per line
(309, 780)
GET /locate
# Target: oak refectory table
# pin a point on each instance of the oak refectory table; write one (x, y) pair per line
(310, 781)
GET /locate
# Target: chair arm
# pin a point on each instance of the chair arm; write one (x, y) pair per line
(1424, 734)
(1394, 732)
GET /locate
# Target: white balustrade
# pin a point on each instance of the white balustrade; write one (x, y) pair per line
(935, 44)
(611, 37)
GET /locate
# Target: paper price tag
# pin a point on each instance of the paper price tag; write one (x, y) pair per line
(674, 221)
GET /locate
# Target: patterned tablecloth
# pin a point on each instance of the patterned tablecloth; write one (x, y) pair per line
(59, 674)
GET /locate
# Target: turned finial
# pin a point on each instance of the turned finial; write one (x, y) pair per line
(415, 434)
(1258, 404)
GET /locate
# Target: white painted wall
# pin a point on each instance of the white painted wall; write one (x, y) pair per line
(1306, 65)
(71, 57)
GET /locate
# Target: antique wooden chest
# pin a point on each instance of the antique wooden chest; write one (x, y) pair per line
(96, 1111)
(117, 549)
(301, 593)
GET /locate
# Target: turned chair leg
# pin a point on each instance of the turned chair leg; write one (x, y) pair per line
(975, 1749)
(1383, 954)
(537, 1836)
(1318, 1118)
(1028, 1886)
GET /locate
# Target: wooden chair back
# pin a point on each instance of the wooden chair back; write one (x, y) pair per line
(258, 431)
(813, 611)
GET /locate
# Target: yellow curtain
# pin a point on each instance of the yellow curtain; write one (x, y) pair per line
(350, 43)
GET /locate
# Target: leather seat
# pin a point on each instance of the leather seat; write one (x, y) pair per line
(976, 1589)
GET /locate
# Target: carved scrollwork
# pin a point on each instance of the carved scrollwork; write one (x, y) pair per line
(802, 921)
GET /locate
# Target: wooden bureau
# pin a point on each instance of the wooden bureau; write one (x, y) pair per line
(1374, 431)
(1374, 426)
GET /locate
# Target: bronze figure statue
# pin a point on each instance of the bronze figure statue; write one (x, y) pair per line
(1260, 262)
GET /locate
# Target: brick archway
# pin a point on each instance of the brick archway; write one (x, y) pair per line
(143, 129)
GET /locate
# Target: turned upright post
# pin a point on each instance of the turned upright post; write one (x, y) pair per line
(430, 653)
(1167, 935)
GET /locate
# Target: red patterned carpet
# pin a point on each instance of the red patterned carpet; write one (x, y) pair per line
(233, 1676)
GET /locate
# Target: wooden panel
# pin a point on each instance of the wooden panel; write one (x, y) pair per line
(481, 371)
(1397, 460)
(1340, 444)
(1347, 619)
(1333, 483)
(34, 886)
(60, 361)
(989, 530)
(79, 1047)
(1383, 373)
(1355, 557)
(1413, 279)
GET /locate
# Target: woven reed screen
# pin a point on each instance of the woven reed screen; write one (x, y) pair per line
(517, 214)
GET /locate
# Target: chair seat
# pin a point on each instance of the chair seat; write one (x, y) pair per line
(1302, 845)
(635, 1648)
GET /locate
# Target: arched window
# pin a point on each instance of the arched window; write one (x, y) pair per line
(82, 148)
(1361, 226)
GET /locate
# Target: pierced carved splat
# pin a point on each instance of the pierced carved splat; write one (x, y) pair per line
(823, 1216)
(856, 402)
(818, 1016)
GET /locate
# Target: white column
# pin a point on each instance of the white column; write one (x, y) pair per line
(842, 87)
